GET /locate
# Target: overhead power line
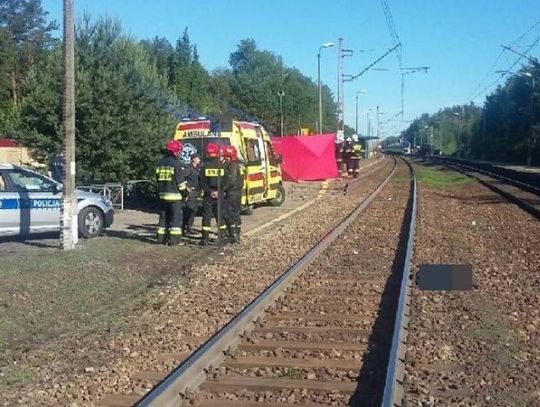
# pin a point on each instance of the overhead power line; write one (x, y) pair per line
(507, 70)
(491, 69)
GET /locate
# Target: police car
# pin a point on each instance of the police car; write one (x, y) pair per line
(30, 203)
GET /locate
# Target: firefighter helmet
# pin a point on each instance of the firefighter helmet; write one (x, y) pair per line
(212, 150)
(174, 147)
(230, 153)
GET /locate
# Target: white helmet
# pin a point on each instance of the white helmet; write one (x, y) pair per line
(354, 137)
(348, 139)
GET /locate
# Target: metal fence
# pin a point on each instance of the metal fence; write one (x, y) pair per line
(112, 191)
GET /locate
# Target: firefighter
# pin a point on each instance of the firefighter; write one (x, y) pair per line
(192, 193)
(170, 176)
(213, 175)
(339, 152)
(234, 185)
(356, 155)
(347, 152)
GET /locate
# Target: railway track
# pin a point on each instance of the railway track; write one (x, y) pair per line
(309, 333)
(522, 191)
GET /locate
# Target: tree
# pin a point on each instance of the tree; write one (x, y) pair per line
(256, 78)
(28, 37)
(123, 116)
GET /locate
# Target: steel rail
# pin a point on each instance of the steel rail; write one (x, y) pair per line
(192, 371)
(393, 387)
(512, 198)
(498, 175)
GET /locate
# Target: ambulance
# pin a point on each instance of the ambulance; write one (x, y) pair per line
(262, 183)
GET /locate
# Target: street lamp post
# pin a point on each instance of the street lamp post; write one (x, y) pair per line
(357, 93)
(325, 45)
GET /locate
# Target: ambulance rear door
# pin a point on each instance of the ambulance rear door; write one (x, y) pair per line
(255, 171)
(273, 169)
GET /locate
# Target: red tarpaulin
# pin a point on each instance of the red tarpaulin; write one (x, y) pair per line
(307, 158)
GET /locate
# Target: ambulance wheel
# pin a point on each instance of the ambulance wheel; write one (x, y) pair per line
(90, 222)
(280, 196)
(247, 210)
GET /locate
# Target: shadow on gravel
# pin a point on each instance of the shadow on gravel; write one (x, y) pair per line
(370, 383)
(489, 199)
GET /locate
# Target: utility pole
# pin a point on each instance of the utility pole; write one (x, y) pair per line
(356, 116)
(378, 133)
(281, 94)
(69, 236)
(340, 124)
(368, 125)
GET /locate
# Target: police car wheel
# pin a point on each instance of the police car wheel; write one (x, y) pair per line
(90, 222)
(280, 196)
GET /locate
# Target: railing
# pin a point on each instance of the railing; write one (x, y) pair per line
(112, 191)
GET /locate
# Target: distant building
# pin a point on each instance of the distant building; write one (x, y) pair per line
(11, 152)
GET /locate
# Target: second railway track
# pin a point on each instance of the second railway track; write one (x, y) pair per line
(322, 333)
(523, 194)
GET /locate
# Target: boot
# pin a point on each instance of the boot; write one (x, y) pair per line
(204, 239)
(237, 232)
(160, 238)
(222, 237)
(232, 234)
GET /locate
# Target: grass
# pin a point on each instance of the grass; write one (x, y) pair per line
(48, 297)
(441, 178)
(293, 374)
(400, 179)
(492, 327)
(15, 375)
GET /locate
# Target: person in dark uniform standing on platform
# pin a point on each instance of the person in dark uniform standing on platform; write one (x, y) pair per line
(234, 185)
(355, 155)
(170, 177)
(213, 175)
(192, 193)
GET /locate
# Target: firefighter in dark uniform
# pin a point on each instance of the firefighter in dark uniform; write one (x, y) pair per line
(339, 152)
(347, 153)
(192, 193)
(233, 194)
(213, 177)
(356, 155)
(171, 183)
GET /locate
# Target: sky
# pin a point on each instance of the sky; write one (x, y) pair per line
(460, 40)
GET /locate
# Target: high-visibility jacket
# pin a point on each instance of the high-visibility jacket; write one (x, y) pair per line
(356, 151)
(170, 177)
